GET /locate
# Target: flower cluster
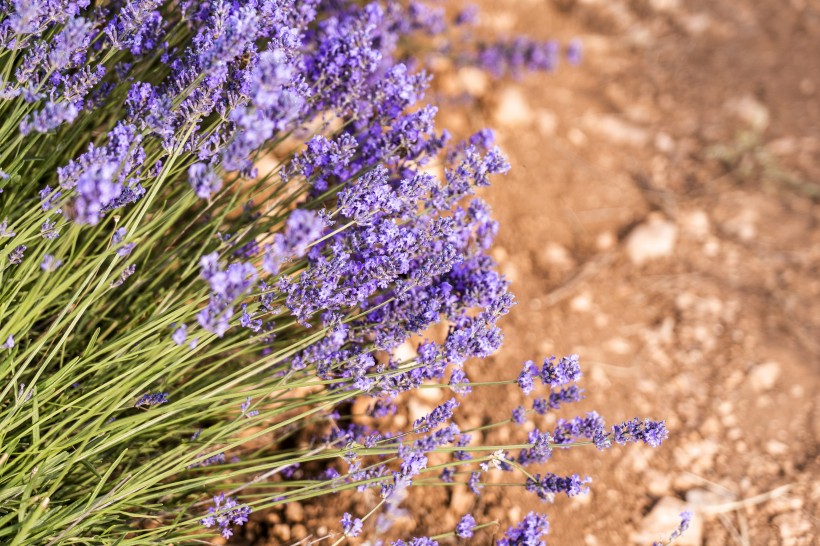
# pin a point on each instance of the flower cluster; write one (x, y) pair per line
(225, 513)
(251, 204)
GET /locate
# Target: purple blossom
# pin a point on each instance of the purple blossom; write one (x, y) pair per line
(4, 229)
(352, 527)
(48, 230)
(50, 263)
(204, 180)
(574, 52)
(549, 485)
(9, 343)
(525, 378)
(180, 334)
(217, 458)
(651, 433)
(465, 527)
(527, 532)
(149, 399)
(566, 371)
(302, 228)
(226, 284)
(519, 415)
(225, 513)
(474, 483)
(437, 417)
(124, 274)
(245, 406)
(16, 255)
(51, 116)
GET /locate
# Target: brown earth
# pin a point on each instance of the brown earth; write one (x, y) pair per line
(661, 220)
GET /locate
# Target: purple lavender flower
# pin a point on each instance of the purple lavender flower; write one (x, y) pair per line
(9, 343)
(149, 399)
(48, 230)
(217, 458)
(474, 483)
(465, 526)
(547, 487)
(437, 417)
(527, 532)
(16, 255)
(180, 334)
(226, 286)
(50, 263)
(225, 513)
(302, 228)
(117, 238)
(651, 433)
(519, 415)
(245, 406)
(459, 382)
(124, 274)
(4, 229)
(352, 527)
(51, 116)
(525, 378)
(566, 371)
(204, 180)
(574, 52)
(417, 541)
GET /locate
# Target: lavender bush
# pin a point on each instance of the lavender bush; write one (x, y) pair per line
(218, 221)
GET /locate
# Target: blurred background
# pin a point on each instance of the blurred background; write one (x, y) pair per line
(661, 220)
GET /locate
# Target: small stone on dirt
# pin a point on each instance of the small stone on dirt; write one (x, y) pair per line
(652, 240)
(294, 512)
(764, 376)
(665, 518)
(512, 109)
(795, 529)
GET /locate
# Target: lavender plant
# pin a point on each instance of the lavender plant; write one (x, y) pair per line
(218, 222)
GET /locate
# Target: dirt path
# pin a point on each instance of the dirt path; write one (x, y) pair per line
(659, 220)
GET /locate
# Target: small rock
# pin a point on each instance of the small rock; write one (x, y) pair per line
(651, 240)
(696, 224)
(658, 483)
(282, 531)
(605, 240)
(512, 109)
(750, 110)
(616, 130)
(764, 376)
(577, 137)
(773, 447)
(665, 5)
(294, 512)
(582, 303)
(474, 80)
(702, 498)
(546, 121)
(664, 143)
(555, 256)
(298, 532)
(795, 529)
(697, 457)
(665, 518)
